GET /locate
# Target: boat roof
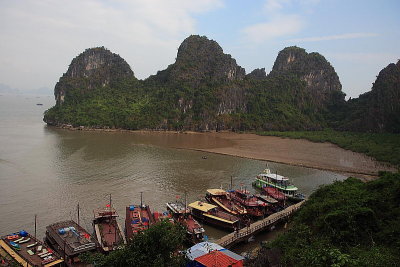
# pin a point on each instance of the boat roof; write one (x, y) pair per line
(177, 207)
(216, 192)
(75, 243)
(105, 212)
(221, 219)
(267, 198)
(274, 176)
(203, 206)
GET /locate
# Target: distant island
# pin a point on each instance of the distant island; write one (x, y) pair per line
(205, 89)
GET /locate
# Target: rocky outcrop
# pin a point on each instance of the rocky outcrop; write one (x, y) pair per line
(206, 77)
(95, 67)
(205, 89)
(379, 109)
(312, 68)
(257, 74)
(200, 61)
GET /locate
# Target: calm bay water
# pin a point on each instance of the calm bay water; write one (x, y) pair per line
(47, 171)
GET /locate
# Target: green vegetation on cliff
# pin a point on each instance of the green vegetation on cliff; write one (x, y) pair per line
(205, 89)
(348, 223)
(381, 146)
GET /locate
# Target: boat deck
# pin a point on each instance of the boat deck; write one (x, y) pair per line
(30, 251)
(193, 226)
(110, 234)
(228, 205)
(137, 219)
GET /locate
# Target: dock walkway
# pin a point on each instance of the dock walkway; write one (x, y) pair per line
(244, 233)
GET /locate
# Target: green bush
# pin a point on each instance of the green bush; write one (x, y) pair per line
(348, 223)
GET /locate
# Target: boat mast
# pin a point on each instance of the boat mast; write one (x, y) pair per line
(141, 199)
(110, 215)
(185, 202)
(78, 214)
(35, 225)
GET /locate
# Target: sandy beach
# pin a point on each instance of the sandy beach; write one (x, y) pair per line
(298, 152)
(325, 156)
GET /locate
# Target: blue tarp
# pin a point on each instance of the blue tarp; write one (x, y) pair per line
(201, 249)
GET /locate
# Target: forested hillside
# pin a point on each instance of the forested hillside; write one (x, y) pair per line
(205, 89)
(348, 223)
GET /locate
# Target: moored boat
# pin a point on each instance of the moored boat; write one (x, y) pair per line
(182, 215)
(280, 183)
(253, 205)
(138, 218)
(107, 230)
(211, 214)
(70, 240)
(26, 250)
(223, 199)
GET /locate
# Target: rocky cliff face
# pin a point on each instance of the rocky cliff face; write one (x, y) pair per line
(200, 60)
(205, 89)
(257, 74)
(95, 67)
(208, 76)
(379, 109)
(312, 68)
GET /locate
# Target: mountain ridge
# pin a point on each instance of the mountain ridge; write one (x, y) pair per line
(204, 89)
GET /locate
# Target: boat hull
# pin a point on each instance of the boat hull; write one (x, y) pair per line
(217, 221)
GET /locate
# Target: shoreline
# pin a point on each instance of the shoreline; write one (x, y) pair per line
(296, 152)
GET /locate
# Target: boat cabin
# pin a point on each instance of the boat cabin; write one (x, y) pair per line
(211, 214)
(70, 240)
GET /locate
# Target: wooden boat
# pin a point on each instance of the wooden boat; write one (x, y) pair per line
(138, 218)
(266, 199)
(107, 230)
(70, 240)
(223, 199)
(279, 182)
(253, 205)
(274, 193)
(182, 215)
(26, 250)
(212, 214)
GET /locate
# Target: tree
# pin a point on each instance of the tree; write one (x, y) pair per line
(157, 246)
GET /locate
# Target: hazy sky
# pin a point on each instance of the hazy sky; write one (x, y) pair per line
(39, 38)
